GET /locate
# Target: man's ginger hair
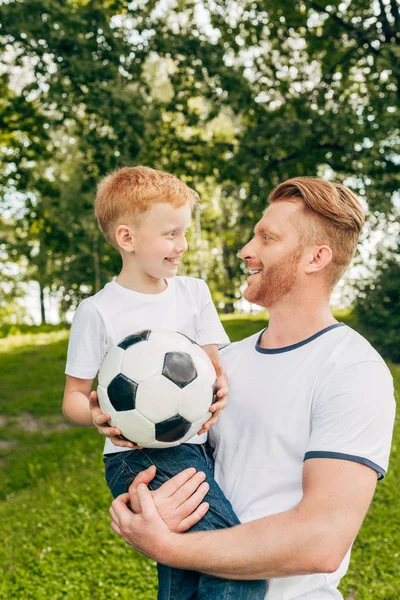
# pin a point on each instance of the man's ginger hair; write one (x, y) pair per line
(127, 194)
(331, 215)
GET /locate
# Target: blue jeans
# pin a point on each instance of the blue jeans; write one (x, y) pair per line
(179, 584)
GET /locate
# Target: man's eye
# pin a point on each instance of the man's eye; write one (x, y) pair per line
(172, 233)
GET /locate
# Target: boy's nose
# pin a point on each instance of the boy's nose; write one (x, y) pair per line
(181, 245)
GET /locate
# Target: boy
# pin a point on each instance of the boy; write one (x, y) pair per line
(144, 213)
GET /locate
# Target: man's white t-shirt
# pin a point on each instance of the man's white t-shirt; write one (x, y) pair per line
(328, 396)
(103, 320)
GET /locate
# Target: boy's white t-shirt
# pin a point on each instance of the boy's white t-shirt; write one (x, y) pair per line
(103, 320)
(330, 396)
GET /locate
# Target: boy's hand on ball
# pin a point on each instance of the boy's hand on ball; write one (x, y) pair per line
(219, 403)
(100, 421)
(179, 500)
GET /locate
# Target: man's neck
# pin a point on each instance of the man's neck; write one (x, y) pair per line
(290, 325)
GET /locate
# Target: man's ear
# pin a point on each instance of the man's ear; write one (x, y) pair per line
(318, 258)
(125, 238)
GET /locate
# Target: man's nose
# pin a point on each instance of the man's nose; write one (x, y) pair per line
(246, 253)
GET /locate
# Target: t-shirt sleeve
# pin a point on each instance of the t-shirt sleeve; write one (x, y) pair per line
(87, 342)
(208, 326)
(353, 416)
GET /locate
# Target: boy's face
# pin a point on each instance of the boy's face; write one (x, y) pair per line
(160, 240)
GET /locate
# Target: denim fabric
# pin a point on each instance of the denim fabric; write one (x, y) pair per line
(178, 584)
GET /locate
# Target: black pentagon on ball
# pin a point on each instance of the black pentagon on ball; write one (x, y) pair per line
(122, 393)
(135, 338)
(214, 391)
(179, 368)
(172, 430)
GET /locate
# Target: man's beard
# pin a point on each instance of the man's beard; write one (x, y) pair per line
(276, 281)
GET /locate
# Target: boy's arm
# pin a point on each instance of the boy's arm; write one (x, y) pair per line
(222, 387)
(82, 407)
(75, 404)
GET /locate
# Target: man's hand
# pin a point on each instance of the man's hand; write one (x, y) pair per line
(178, 500)
(100, 421)
(222, 399)
(145, 531)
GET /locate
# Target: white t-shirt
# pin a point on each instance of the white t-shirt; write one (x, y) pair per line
(103, 320)
(328, 396)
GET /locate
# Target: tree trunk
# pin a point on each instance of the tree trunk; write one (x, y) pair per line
(42, 309)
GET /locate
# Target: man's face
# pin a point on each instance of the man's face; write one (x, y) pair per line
(273, 255)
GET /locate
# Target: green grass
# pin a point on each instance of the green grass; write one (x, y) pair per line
(56, 541)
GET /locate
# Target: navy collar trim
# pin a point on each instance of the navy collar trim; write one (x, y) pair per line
(294, 346)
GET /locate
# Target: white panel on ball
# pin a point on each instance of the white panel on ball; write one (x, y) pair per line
(204, 366)
(157, 399)
(196, 400)
(111, 366)
(135, 427)
(142, 360)
(170, 340)
(105, 403)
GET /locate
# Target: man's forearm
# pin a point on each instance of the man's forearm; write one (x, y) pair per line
(277, 546)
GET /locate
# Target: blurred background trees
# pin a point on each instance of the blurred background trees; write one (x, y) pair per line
(233, 97)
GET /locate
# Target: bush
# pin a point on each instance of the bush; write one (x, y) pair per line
(378, 309)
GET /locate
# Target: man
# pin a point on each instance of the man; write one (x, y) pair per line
(308, 428)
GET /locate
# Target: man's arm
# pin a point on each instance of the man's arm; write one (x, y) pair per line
(313, 537)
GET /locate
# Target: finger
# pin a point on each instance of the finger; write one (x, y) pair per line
(107, 429)
(212, 421)
(124, 443)
(146, 502)
(186, 490)
(115, 528)
(168, 488)
(220, 405)
(143, 477)
(194, 518)
(93, 399)
(223, 392)
(113, 514)
(190, 505)
(119, 500)
(101, 418)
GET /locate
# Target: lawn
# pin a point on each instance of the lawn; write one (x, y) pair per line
(55, 533)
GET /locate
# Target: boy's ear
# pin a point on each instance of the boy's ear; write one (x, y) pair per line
(125, 238)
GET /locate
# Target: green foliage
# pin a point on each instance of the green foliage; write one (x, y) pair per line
(266, 91)
(378, 308)
(56, 538)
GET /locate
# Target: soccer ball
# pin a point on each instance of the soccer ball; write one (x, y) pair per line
(158, 387)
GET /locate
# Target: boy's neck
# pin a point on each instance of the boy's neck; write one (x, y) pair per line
(141, 283)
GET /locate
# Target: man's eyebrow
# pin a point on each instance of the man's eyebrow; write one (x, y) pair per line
(262, 229)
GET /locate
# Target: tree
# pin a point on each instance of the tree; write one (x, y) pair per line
(378, 307)
(242, 99)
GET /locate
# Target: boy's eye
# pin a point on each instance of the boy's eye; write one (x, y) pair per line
(172, 233)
